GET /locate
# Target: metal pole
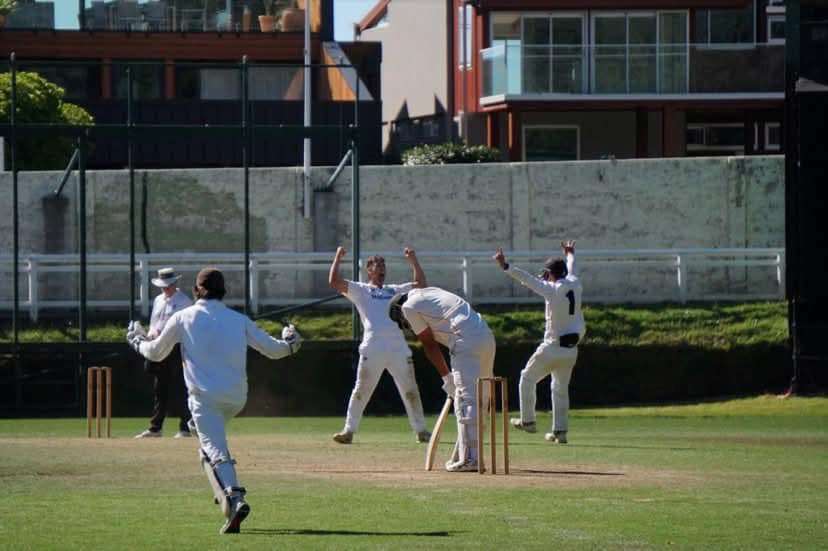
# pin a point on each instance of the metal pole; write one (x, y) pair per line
(131, 162)
(15, 211)
(355, 202)
(246, 163)
(306, 168)
(81, 15)
(82, 235)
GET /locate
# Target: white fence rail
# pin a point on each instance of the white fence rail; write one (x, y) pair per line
(469, 266)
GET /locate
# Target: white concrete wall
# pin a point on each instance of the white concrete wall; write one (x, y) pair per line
(658, 203)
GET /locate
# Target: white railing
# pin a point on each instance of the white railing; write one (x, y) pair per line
(625, 263)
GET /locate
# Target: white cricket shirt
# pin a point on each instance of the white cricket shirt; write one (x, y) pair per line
(163, 308)
(372, 303)
(563, 300)
(214, 341)
(449, 316)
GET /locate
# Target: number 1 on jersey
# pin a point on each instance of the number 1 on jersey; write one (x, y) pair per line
(571, 296)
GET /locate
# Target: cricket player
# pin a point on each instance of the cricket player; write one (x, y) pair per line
(383, 344)
(556, 355)
(438, 317)
(214, 341)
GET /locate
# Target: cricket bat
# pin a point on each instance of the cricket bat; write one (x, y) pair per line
(431, 450)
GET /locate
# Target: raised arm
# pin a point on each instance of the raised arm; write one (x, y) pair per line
(526, 279)
(569, 252)
(334, 279)
(418, 276)
(268, 346)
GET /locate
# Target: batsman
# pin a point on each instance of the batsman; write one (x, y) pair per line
(214, 341)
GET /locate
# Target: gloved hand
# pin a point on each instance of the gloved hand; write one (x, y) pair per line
(135, 335)
(291, 336)
(448, 385)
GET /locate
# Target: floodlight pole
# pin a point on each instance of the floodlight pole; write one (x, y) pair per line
(18, 389)
(82, 236)
(131, 163)
(246, 163)
(306, 167)
(355, 203)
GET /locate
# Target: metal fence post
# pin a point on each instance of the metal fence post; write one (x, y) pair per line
(144, 266)
(33, 298)
(254, 285)
(681, 277)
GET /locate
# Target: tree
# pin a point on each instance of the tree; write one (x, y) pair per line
(40, 101)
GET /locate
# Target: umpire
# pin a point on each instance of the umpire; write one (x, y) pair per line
(167, 373)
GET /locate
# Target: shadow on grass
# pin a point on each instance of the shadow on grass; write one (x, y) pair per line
(562, 473)
(316, 532)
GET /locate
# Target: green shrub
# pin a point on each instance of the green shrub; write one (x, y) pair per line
(40, 101)
(449, 153)
(7, 6)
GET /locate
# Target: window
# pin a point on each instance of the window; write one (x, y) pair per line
(276, 83)
(713, 139)
(773, 136)
(220, 84)
(776, 29)
(147, 81)
(551, 143)
(79, 82)
(639, 52)
(726, 26)
(465, 17)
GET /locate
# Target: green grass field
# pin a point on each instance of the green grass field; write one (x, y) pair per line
(742, 474)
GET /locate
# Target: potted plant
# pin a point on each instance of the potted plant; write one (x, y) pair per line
(267, 23)
(6, 7)
(293, 17)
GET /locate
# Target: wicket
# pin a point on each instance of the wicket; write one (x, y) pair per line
(94, 400)
(493, 383)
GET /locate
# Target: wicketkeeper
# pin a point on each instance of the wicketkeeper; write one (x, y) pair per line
(214, 341)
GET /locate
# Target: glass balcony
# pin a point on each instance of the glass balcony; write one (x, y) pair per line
(166, 15)
(560, 72)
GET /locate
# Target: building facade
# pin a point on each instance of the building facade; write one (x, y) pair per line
(185, 60)
(584, 79)
(591, 79)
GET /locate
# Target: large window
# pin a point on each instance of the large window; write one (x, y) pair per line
(553, 54)
(726, 26)
(551, 143)
(79, 82)
(639, 52)
(715, 139)
(147, 81)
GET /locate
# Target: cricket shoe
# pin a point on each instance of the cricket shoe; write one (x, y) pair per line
(465, 466)
(149, 434)
(557, 437)
(183, 434)
(239, 509)
(423, 437)
(343, 437)
(525, 427)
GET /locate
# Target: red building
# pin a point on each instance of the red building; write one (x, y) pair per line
(178, 48)
(590, 79)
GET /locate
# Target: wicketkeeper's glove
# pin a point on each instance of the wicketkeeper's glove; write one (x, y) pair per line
(135, 335)
(292, 337)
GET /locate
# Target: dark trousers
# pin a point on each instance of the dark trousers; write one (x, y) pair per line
(168, 378)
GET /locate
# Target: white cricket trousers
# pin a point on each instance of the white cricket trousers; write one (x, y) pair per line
(210, 418)
(472, 357)
(370, 368)
(549, 359)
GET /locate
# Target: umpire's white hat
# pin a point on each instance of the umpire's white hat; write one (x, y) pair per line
(166, 277)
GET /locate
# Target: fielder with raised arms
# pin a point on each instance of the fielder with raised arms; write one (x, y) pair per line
(557, 354)
(439, 317)
(383, 344)
(214, 341)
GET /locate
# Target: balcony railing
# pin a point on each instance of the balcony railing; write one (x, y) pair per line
(632, 69)
(166, 16)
